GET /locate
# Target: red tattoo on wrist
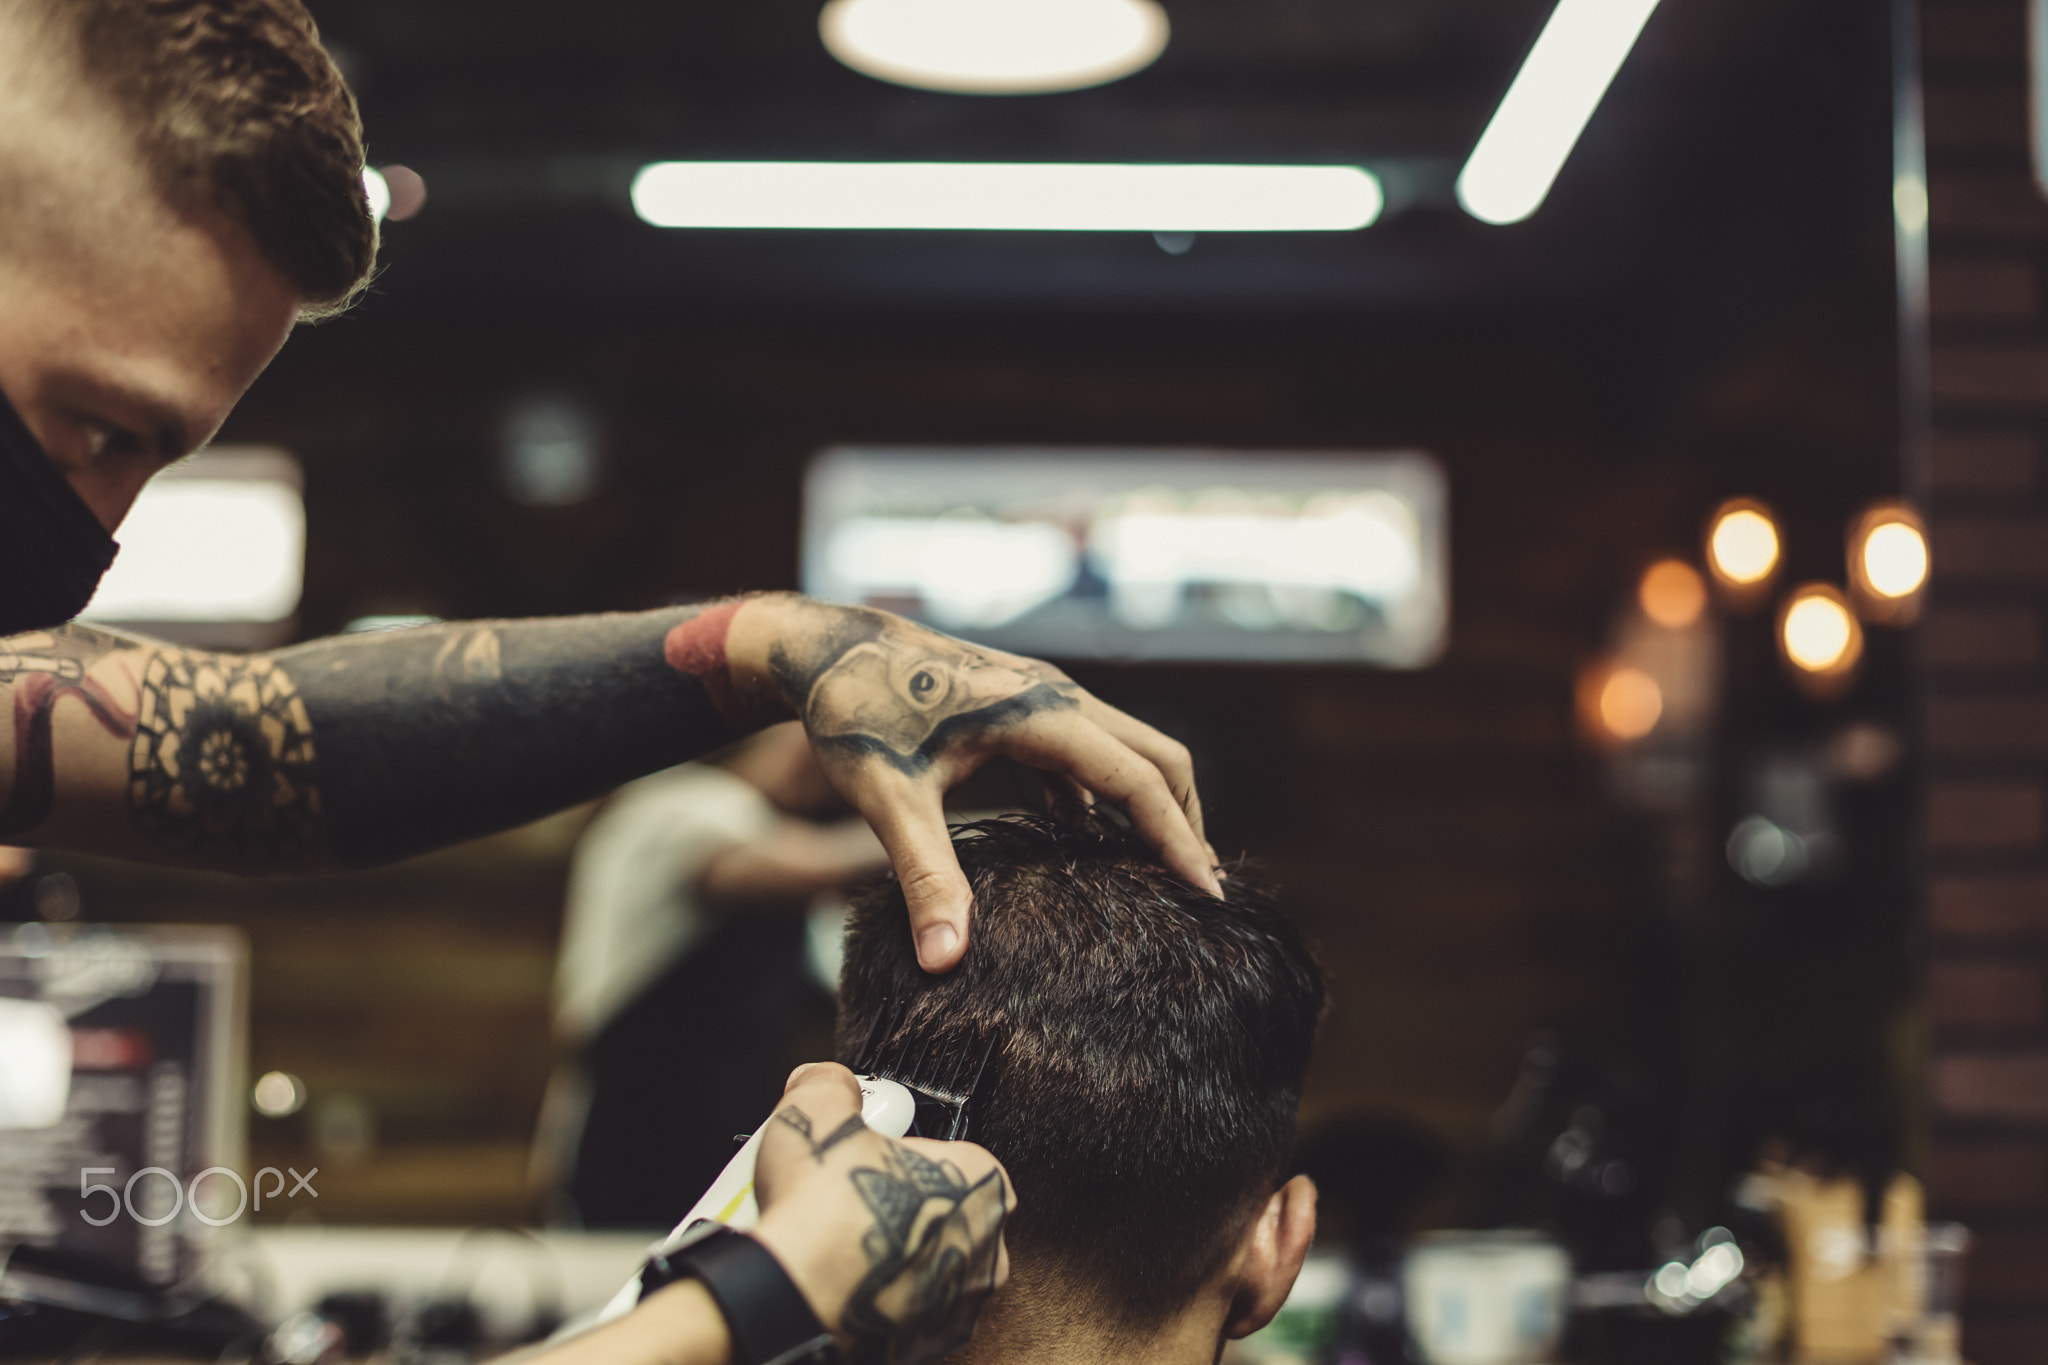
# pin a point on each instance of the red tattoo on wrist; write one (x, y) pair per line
(697, 647)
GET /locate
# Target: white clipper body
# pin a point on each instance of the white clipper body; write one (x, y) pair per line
(885, 1106)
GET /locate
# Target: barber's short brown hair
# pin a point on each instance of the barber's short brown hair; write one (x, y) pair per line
(236, 104)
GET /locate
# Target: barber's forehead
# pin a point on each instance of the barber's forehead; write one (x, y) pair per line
(78, 188)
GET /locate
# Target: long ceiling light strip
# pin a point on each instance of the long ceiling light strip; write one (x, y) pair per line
(995, 196)
(1553, 95)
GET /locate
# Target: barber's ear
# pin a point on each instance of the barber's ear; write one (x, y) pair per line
(1271, 1256)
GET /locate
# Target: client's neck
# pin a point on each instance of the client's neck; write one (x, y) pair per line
(1040, 1321)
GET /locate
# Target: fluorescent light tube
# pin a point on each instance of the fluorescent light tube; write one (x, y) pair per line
(1547, 107)
(998, 196)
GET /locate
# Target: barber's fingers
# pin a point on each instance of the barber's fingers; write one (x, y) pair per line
(823, 1078)
(910, 820)
(826, 1095)
(970, 1159)
(821, 1098)
(1166, 753)
(1066, 798)
(987, 1200)
(1105, 765)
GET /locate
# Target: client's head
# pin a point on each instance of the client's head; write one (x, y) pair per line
(1150, 1045)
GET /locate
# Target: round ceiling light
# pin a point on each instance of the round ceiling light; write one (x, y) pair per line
(995, 47)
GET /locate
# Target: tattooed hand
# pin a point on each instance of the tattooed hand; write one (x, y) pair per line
(896, 1243)
(898, 713)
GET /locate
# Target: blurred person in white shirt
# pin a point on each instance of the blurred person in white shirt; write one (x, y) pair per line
(699, 953)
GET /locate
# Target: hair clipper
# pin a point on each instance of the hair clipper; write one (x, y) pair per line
(904, 1092)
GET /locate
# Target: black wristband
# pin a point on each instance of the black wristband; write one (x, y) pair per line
(770, 1320)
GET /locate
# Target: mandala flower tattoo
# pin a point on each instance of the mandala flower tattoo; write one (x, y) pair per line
(223, 757)
(932, 1254)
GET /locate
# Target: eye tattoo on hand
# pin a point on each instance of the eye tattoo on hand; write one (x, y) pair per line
(932, 1256)
(873, 684)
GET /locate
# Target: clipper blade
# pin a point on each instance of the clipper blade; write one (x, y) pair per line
(944, 1083)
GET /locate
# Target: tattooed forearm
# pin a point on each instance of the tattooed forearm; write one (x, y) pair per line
(222, 765)
(45, 669)
(440, 733)
(932, 1255)
(367, 748)
(357, 750)
(218, 754)
(867, 683)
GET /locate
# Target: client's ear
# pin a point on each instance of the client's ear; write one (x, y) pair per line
(1271, 1255)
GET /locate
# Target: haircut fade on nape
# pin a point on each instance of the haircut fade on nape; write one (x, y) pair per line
(1151, 1045)
(236, 105)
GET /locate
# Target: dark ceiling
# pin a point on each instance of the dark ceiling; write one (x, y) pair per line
(1708, 287)
(1291, 79)
(529, 118)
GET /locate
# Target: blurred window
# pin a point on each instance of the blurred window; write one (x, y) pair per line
(1155, 554)
(218, 538)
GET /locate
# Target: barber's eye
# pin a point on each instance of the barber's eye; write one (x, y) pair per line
(102, 440)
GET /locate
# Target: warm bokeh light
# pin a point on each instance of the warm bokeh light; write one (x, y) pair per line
(1742, 547)
(405, 193)
(1888, 563)
(1818, 632)
(1888, 551)
(1672, 593)
(1630, 703)
(15, 863)
(1895, 559)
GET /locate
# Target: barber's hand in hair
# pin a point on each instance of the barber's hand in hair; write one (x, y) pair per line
(896, 1242)
(898, 714)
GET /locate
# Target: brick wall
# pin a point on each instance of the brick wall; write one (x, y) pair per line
(1987, 683)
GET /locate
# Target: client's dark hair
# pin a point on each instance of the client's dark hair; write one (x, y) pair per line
(1151, 1042)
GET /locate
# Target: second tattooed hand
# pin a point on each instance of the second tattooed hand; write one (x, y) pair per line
(898, 713)
(915, 1244)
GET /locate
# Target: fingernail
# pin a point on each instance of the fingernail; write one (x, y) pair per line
(935, 944)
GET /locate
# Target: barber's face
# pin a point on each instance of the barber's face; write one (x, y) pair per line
(128, 329)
